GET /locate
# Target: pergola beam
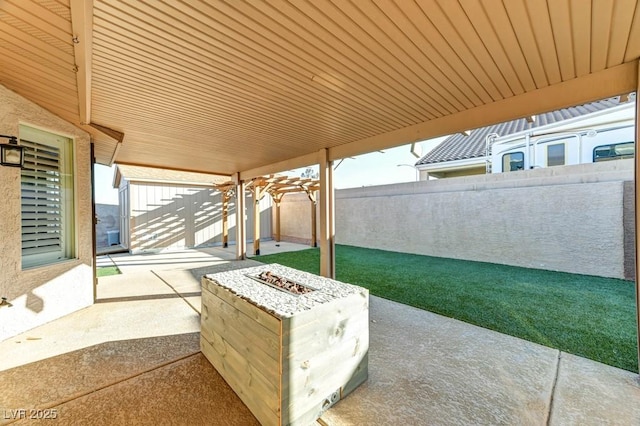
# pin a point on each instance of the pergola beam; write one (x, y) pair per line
(277, 187)
(241, 233)
(226, 197)
(260, 189)
(277, 199)
(314, 219)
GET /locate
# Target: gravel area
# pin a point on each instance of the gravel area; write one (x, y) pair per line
(281, 303)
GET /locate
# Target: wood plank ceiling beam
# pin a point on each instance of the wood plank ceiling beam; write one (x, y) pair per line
(82, 26)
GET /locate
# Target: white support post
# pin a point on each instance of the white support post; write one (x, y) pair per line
(327, 216)
(637, 211)
(256, 218)
(241, 219)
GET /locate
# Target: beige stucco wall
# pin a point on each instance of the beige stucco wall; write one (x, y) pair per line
(41, 294)
(564, 218)
(295, 222)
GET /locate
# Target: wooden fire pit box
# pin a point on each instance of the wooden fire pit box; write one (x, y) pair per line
(288, 357)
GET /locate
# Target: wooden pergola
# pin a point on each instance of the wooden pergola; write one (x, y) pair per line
(277, 186)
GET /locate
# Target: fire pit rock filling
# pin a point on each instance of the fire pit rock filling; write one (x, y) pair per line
(288, 356)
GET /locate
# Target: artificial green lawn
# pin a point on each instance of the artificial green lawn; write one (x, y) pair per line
(584, 315)
(105, 271)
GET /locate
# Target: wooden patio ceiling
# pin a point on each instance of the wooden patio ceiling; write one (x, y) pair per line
(261, 86)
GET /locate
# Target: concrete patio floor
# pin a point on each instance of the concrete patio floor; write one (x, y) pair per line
(134, 358)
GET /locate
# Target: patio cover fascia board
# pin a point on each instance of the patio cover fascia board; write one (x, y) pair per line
(118, 176)
(171, 182)
(177, 169)
(591, 87)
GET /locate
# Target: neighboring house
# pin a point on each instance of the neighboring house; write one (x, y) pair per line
(555, 138)
(46, 258)
(166, 209)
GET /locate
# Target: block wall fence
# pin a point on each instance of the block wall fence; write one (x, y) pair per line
(577, 219)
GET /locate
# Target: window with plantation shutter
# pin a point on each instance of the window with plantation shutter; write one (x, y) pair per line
(47, 198)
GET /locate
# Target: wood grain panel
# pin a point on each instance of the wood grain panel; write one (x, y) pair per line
(242, 78)
(457, 47)
(270, 322)
(324, 65)
(601, 27)
(63, 76)
(43, 89)
(39, 17)
(518, 14)
(34, 45)
(581, 35)
(621, 21)
(480, 21)
(428, 57)
(223, 318)
(474, 45)
(632, 51)
(444, 55)
(296, 70)
(389, 45)
(538, 13)
(245, 380)
(559, 15)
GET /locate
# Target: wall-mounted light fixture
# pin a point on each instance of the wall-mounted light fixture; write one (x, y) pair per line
(11, 154)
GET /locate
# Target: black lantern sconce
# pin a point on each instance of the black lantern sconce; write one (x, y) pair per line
(11, 154)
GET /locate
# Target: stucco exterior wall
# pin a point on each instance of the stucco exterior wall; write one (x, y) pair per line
(295, 222)
(629, 222)
(575, 219)
(42, 294)
(108, 220)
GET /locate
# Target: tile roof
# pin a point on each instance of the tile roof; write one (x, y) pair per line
(461, 147)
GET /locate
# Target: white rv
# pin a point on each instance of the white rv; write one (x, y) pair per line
(601, 136)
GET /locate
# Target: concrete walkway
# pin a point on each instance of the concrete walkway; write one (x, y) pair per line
(133, 358)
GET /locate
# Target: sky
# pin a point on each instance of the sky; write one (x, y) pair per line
(392, 165)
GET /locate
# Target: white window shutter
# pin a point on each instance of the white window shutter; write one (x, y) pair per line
(42, 215)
